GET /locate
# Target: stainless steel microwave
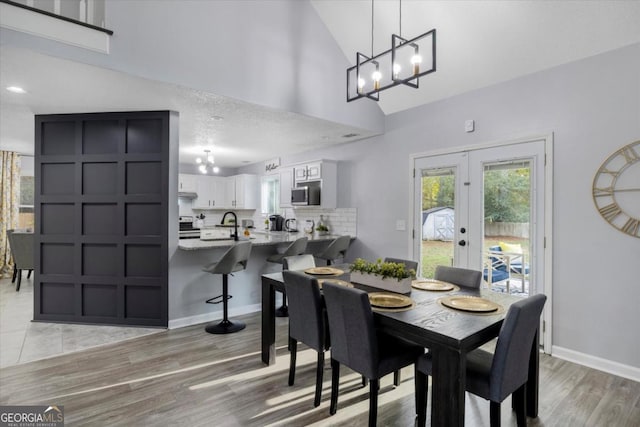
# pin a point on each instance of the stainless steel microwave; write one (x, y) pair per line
(305, 196)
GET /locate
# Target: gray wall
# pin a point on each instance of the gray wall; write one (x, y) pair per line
(593, 108)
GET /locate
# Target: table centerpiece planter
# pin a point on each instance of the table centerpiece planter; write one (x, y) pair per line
(390, 276)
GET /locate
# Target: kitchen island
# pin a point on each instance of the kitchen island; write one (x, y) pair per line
(190, 287)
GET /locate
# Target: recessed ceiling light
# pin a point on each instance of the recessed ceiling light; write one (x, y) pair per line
(350, 135)
(16, 89)
(217, 118)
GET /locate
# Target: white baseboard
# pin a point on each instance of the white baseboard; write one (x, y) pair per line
(615, 368)
(214, 315)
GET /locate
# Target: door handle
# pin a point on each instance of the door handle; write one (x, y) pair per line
(462, 243)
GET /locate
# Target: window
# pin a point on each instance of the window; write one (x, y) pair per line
(25, 210)
(270, 191)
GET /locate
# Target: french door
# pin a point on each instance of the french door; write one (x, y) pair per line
(487, 209)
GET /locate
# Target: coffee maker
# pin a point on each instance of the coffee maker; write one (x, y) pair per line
(276, 222)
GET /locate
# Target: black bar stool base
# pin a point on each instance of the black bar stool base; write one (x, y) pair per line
(283, 311)
(225, 327)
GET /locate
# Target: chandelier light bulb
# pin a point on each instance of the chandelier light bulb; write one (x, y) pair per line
(202, 169)
(216, 169)
(416, 60)
(360, 84)
(198, 160)
(376, 76)
(396, 70)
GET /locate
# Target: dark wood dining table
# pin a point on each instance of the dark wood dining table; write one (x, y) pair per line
(448, 334)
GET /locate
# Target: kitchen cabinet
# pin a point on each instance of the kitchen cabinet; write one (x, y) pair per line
(211, 192)
(308, 172)
(242, 192)
(286, 183)
(187, 183)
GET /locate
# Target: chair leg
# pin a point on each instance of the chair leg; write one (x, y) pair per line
(19, 280)
(520, 405)
(335, 379)
(494, 414)
(293, 350)
(373, 402)
(365, 381)
(226, 326)
(319, 377)
(31, 271)
(283, 310)
(422, 389)
(15, 273)
(396, 378)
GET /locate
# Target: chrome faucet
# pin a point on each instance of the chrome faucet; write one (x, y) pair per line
(235, 224)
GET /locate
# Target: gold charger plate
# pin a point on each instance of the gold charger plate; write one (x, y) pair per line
(433, 285)
(324, 271)
(339, 282)
(389, 300)
(470, 303)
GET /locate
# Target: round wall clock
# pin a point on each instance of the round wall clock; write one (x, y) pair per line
(616, 189)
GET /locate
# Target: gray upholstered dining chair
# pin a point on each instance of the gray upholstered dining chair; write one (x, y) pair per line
(459, 276)
(21, 245)
(234, 259)
(336, 249)
(409, 265)
(307, 323)
(495, 376)
(298, 262)
(357, 344)
(297, 247)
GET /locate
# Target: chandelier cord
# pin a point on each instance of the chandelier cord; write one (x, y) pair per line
(400, 15)
(372, 28)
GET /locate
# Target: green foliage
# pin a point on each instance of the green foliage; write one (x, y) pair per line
(394, 270)
(507, 195)
(322, 227)
(438, 191)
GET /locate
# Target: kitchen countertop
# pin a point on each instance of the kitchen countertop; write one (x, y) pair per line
(258, 238)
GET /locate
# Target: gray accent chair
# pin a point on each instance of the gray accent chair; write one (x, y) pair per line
(409, 265)
(21, 245)
(307, 323)
(459, 276)
(297, 247)
(357, 344)
(495, 376)
(336, 249)
(235, 259)
(298, 262)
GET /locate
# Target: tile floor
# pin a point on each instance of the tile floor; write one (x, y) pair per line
(22, 340)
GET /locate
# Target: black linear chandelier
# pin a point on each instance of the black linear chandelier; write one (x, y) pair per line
(402, 64)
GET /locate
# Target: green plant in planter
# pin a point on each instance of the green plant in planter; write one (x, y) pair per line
(322, 227)
(394, 270)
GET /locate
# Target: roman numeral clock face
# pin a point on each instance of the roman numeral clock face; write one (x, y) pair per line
(616, 189)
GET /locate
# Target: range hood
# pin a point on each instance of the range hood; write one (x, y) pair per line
(187, 194)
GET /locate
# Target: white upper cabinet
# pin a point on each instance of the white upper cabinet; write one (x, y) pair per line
(324, 172)
(308, 172)
(242, 192)
(211, 192)
(187, 183)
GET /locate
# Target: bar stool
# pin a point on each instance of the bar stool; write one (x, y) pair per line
(297, 247)
(235, 259)
(336, 249)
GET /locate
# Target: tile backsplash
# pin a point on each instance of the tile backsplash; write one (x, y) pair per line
(339, 221)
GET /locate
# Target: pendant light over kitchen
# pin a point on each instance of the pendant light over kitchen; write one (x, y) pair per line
(402, 64)
(206, 165)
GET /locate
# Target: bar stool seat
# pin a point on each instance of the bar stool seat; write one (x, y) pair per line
(235, 259)
(336, 249)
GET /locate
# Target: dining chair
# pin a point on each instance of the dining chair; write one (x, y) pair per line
(307, 322)
(496, 376)
(459, 276)
(409, 265)
(298, 262)
(336, 249)
(357, 344)
(21, 245)
(234, 259)
(297, 247)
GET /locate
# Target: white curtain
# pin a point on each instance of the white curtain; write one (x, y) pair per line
(9, 204)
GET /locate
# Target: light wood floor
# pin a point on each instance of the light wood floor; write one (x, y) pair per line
(186, 377)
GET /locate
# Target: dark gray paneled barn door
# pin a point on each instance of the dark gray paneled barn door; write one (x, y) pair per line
(101, 208)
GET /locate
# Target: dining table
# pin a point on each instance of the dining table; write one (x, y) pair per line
(447, 333)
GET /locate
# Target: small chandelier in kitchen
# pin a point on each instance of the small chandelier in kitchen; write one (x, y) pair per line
(403, 64)
(207, 165)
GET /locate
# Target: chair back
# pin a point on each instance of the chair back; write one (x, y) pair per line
(297, 247)
(235, 259)
(21, 245)
(459, 276)
(353, 337)
(509, 369)
(298, 262)
(337, 248)
(306, 318)
(409, 265)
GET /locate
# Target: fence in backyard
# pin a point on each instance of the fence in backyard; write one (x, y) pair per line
(515, 229)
